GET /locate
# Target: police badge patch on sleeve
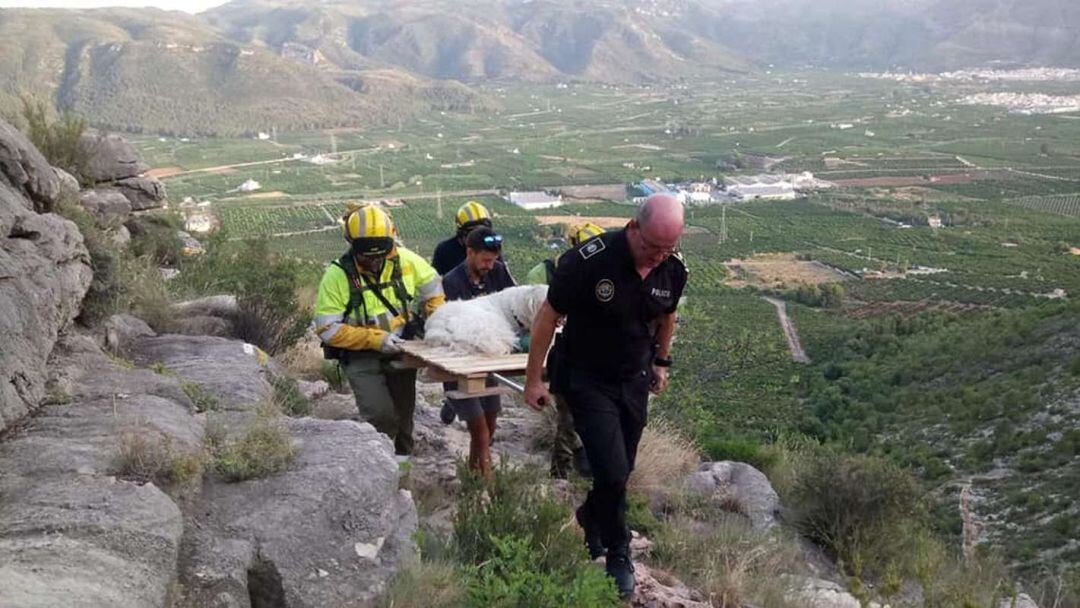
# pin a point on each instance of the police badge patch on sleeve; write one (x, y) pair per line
(605, 290)
(592, 248)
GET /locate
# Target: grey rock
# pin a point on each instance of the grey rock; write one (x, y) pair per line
(1022, 600)
(313, 390)
(738, 485)
(144, 192)
(235, 372)
(86, 541)
(259, 538)
(336, 406)
(819, 593)
(203, 325)
(69, 185)
(71, 534)
(108, 206)
(25, 170)
(214, 306)
(120, 235)
(122, 330)
(44, 274)
(110, 157)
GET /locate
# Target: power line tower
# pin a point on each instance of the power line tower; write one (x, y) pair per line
(723, 223)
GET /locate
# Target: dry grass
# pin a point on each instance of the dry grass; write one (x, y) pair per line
(265, 448)
(726, 560)
(773, 270)
(146, 455)
(424, 585)
(303, 359)
(664, 458)
(542, 428)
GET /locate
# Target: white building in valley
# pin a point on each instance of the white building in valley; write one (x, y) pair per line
(535, 200)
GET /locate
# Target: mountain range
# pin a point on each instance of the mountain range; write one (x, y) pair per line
(251, 64)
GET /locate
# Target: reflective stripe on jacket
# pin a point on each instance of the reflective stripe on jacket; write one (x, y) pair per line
(370, 321)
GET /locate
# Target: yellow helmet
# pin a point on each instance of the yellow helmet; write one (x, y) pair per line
(578, 234)
(472, 214)
(369, 230)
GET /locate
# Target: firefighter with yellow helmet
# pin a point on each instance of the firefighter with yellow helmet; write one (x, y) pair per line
(370, 301)
(451, 252)
(566, 451)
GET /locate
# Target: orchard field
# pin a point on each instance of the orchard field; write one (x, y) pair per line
(950, 345)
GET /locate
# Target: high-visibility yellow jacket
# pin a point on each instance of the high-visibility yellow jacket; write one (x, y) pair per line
(371, 320)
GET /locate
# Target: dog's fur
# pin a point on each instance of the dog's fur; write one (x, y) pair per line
(487, 325)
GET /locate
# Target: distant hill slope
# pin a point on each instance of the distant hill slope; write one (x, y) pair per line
(157, 71)
(483, 39)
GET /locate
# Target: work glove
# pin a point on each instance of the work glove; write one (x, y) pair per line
(523, 342)
(391, 344)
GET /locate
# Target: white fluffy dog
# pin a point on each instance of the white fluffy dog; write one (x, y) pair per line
(487, 325)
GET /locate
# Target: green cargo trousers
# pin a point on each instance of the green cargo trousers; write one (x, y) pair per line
(385, 396)
(566, 440)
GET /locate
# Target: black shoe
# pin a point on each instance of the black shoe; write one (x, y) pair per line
(447, 413)
(620, 568)
(581, 463)
(592, 534)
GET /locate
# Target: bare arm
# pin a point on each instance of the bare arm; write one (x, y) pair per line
(543, 329)
(665, 329)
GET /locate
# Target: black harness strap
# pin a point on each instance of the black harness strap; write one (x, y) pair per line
(359, 282)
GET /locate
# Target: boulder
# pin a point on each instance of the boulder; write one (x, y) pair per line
(25, 170)
(811, 592)
(313, 390)
(122, 330)
(214, 306)
(658, 589)
(332, 530)
(44, 274)
(143, 192)
(71, 533)
(110, 157)
(120, 235)
(1022, 600)
(236, 373)
(740, 487)
(108, 206)
(203, 325)
(69, 185)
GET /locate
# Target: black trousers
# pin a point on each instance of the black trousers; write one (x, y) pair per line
(609, 416)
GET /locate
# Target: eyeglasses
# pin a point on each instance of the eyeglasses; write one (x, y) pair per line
(653, 247)
(493, 240)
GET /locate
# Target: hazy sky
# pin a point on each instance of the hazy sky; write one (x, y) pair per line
(190, 6)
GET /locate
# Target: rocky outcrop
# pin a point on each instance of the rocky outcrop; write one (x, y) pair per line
(739, 487)
(25, 170)
(71, 533)
(113, 162)
(819, 593)
(331, 531)
(207, 316)
(108, 206)
(44, 273)
(143, 192)
(110, 158)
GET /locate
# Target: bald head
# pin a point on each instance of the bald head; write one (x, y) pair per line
(661, 215)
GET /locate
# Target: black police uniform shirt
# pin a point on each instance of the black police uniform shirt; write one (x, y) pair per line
(449, 254)
(457, 285)
(611, 312)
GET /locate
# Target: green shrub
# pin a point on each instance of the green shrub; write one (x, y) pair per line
(121, 282)
(265, 448)
(515, 575)
(266, 284)
(287, 395)
(516, 541)
(57, 140)
(203, 400)
(861, 510)
(153, 235)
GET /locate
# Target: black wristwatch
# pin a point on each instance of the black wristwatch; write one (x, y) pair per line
(661, 362)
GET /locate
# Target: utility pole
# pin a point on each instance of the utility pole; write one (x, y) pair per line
(723, 223)
(333, 144)
(382, 182)
(438, 204)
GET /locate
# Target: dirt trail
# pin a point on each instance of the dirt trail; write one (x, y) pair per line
(797, 353)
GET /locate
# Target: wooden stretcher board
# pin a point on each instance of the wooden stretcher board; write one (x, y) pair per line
(469, 371)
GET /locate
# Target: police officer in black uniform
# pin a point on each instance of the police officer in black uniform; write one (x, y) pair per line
(618, 293)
